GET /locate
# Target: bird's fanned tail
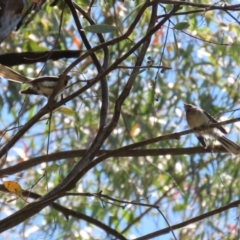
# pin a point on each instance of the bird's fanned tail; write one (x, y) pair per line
(10, 74)
(229, 145)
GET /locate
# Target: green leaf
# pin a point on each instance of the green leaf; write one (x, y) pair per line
(179, 207)
(65, 110)
(100, 28)
(76, 130)
(176, 44)
(181, 25)
(51, 169)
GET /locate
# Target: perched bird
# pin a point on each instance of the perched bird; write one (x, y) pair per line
(37, 86)
(197, 117)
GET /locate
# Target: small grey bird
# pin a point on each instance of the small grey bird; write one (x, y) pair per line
(37, 86)
(197, 117)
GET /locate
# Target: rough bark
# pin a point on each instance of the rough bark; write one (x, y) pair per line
(10, 15)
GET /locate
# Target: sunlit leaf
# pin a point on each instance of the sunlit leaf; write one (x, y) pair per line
(51, 168)
(13, 187)
(66, 111)
(135, 130)
(181, 25)
(179, 207)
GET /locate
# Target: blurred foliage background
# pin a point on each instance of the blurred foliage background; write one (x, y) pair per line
(203, 60)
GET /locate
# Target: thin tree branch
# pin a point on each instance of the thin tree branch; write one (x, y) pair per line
(69, 212)
(199, 5)
(190, 221)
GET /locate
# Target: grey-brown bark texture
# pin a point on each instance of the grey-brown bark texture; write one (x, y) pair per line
(10, 15)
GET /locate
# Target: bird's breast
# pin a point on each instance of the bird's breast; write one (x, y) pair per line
(196, 119)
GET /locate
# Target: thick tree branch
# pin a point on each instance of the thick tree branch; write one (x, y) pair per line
(12, 59)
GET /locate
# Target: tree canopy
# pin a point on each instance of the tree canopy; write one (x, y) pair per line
(113, 157)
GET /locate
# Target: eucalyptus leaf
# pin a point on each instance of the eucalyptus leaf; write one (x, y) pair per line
(181, 25)
(100, 28)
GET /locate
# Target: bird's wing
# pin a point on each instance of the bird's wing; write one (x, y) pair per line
(29, 91)
(213, 120)
(11, 75)
(201, 139)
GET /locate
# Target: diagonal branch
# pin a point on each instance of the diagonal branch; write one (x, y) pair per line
(234, 204)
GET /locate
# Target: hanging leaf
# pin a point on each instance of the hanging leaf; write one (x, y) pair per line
(65, 110)
(176, 44)
(52, 168)
(13, 187)
(135, 130)
(181, 25)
